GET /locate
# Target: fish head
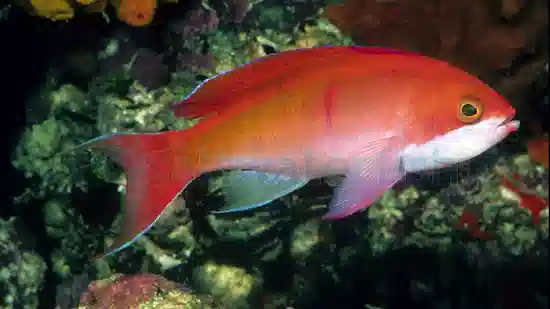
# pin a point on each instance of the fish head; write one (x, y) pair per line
(460, 118)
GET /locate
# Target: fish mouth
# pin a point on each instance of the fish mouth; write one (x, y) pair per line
(509, 124)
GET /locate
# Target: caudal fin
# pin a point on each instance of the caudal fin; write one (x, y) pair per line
(155, 174)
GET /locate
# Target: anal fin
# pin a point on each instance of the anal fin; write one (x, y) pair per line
(246, 190)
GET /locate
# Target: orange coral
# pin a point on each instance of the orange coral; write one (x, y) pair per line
(471, 34)
(135, 12)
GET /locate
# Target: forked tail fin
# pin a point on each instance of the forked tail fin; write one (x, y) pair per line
(155, 174)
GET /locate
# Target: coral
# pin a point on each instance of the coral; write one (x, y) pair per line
(68, 293)
(22, 271)
(470, 34)
(88, 2)
(527, 198)
(537, 146)
(538, 150)
(232, 286)
(522, 186)
(147, 68)
(181, 51)
(186, 33)
(135, 12)
(38, 153)
(232, 10)
(52, 9)
(145, 291)
(197, 21)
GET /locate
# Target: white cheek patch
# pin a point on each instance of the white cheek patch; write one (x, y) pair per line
(456, 146)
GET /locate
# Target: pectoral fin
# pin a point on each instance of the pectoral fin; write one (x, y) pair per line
(376, 169)
(245, 190)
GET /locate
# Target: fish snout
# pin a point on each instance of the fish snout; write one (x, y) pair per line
(508, 125)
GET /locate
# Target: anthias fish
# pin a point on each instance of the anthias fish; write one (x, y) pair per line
(371, 114)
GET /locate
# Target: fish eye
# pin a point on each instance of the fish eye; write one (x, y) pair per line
(470, 110)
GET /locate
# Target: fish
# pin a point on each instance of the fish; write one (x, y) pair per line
(370, 114)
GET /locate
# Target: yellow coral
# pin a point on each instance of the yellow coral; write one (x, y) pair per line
(133, 12)
(86, 2)
(52, 9)
(231, 285)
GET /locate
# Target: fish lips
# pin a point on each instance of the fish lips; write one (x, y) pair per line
(509, 125)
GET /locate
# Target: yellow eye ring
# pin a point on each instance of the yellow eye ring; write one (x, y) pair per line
(470, 111)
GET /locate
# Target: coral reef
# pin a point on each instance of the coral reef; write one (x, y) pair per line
(137, 13)
(406, 251)
(133, 12)
(145, 291)
(22, 270)
(54, 10)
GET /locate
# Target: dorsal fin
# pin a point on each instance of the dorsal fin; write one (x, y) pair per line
(223, 90)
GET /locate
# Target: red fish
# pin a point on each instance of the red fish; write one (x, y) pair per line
(370, 114)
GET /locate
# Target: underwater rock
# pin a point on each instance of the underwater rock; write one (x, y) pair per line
(22, 270)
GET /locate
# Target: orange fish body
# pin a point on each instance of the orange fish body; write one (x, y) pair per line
(370, 114)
